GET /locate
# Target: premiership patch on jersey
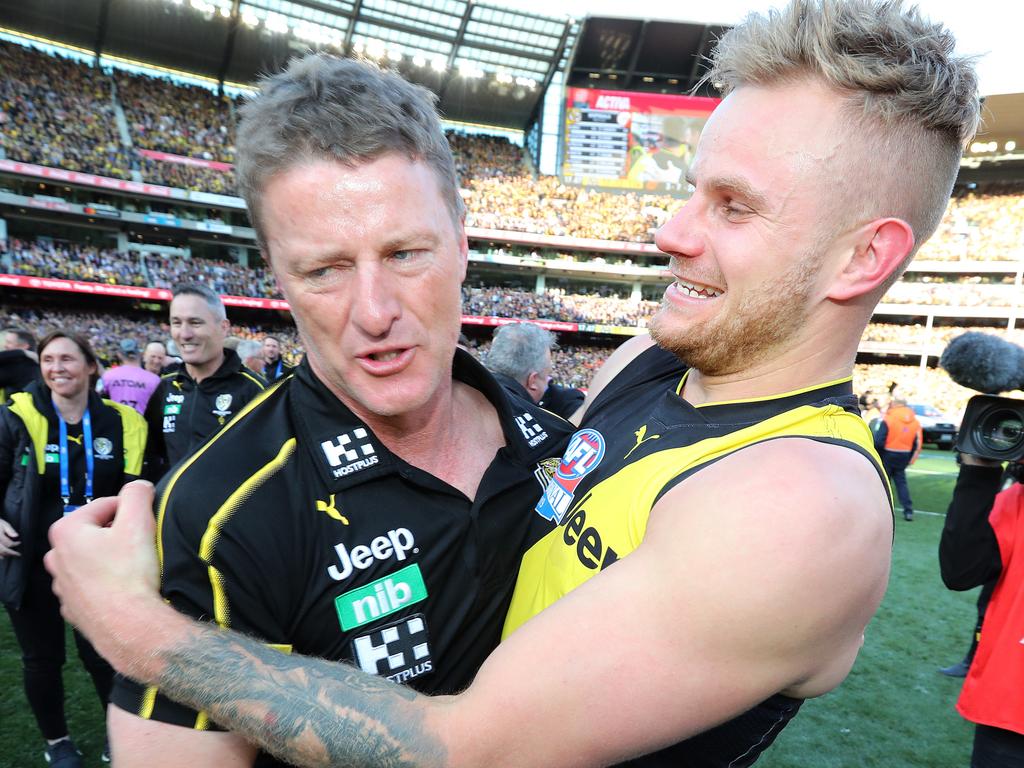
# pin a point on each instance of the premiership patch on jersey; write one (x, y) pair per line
(545, 470)
(102, 448)
(585, 451)
(398, 651)
(222, 405)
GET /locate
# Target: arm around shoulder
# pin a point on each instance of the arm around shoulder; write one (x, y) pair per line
(711, 615)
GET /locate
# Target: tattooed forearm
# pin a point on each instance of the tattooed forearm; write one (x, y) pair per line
(306, 711)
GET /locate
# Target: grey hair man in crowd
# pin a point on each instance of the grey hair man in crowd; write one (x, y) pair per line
(703, 576)
(520, 358)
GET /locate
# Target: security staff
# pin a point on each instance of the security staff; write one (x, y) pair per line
(200, 395)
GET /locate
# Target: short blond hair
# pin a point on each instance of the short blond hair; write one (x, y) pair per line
(913, 101)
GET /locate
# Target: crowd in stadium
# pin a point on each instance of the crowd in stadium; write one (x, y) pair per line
(41, 258)
(555, 305)
(225, 277)
(964, 292)
(931, 386)
(40, 96)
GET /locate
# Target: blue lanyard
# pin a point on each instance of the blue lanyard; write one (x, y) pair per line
(65, 463)
(277, 371)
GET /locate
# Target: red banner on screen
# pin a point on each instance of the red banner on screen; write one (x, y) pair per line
(74, 177)
(195, 162)
(161, 294)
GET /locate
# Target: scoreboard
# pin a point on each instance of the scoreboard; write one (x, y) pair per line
(626, 140)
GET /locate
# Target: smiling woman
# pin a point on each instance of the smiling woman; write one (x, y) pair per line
(60, 447)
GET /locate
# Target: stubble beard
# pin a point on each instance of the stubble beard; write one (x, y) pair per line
(742, 336)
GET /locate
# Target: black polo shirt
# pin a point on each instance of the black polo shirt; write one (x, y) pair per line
(296, 525)
(182, 413)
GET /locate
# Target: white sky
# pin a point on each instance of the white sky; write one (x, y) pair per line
(990, 28)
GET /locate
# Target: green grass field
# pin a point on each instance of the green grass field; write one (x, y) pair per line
(894, 711)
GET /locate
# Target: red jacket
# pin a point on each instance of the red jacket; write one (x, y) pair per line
(993, 693)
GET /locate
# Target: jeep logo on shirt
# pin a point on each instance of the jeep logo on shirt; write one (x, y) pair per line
(395, 543)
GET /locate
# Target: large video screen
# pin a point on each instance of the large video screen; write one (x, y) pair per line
(626, 140)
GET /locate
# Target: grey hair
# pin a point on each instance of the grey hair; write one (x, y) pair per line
(915, 103)
(206, 294)
(325, 107)
(519, 349)
(248, 348)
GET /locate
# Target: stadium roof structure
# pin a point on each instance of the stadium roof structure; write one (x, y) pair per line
(643, 55)
(487, 64)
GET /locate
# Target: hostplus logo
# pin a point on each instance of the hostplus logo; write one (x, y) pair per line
(350, 452)
(532, 431)
(399, 651)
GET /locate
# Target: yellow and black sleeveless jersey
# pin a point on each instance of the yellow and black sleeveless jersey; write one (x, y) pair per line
(295, 524)
(638, 440)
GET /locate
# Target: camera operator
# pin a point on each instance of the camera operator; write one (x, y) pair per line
(978, 545)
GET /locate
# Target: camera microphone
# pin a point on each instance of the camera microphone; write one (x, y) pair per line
(984, 363)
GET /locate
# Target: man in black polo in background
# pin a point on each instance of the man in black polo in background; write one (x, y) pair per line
(200, 395)
(274, 366)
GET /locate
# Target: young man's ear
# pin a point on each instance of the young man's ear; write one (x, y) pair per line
(880, 249)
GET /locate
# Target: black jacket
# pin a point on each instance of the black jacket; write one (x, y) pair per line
(564, 401)
(278, 370)
(182, 413)
(968, 550)
(27, 434)
(17, 371)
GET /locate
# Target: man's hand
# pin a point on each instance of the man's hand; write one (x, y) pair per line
(104, 567)
(9, 539)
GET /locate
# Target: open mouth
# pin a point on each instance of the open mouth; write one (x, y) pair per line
(696, 291)
(385, 357)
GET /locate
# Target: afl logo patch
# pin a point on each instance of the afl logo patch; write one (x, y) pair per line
(585, 451)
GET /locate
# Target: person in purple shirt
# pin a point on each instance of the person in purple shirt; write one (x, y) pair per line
(130, 383)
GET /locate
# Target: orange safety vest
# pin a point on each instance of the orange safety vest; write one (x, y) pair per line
(904, 429)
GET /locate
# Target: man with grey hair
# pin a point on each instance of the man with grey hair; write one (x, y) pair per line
(250, 352)
(722, 526)
(520, 359)
(197, 397)
(373, 504)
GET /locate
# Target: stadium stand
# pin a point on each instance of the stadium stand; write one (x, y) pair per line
(41, 94)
